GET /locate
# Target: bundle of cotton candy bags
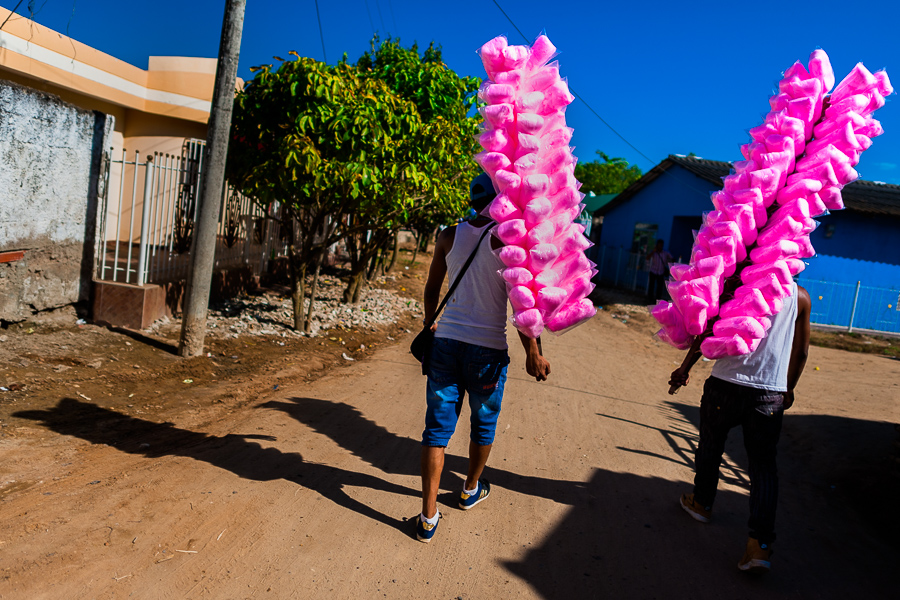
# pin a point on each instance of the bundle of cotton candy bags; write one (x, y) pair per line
(794, 168)
(527, 155)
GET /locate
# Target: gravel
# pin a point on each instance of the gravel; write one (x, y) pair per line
(272, 315)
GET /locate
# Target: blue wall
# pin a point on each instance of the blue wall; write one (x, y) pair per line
(861, 248)
(674, 193)
(860, 236)
(849, 270)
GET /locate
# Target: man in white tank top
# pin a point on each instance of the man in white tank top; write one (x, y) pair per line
(469, 355)
(752, 391)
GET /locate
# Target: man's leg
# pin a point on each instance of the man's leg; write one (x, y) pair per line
(478, 456)
(717, 417)
(762, 429)
(651, 289)
(432, 466)
(444, 397)
(485, 381)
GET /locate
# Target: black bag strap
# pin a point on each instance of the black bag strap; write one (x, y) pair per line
(459, 277)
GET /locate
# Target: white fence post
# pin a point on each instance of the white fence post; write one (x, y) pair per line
(853, 310)
(145, 221)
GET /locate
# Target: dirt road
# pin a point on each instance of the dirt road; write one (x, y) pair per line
(304, 493)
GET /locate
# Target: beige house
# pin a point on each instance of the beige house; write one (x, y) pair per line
(155, 109)
(153, 165)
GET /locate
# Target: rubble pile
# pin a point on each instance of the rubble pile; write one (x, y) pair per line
(271, 314)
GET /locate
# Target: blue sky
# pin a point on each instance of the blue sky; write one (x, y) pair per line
(672, 78)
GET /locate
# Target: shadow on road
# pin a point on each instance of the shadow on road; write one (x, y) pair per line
(235, 453)
(395, 454)
(837, 522)
(624, 535)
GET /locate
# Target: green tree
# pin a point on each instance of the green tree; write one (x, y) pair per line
(428, 175)
(316, 140)
(606, 176)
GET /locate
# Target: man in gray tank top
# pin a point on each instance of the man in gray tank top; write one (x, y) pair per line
(752, 391)
(469, 355)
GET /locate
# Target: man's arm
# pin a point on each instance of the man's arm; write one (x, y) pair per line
(535, 364)
(800, 345)
(437, 272)
(682, 375)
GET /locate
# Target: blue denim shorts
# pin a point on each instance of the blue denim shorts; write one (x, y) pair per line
(456, 368)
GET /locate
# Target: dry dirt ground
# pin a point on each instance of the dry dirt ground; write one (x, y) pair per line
(290, 472)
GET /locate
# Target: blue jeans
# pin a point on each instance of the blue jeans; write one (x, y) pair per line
(456, 368)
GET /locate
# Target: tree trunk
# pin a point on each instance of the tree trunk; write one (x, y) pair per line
(312, 290)
(373, 267)
(351, 294)
(360, 285)
(416, 236)
(395, 252)
(298, 289)
(354, 251)
(296, 269)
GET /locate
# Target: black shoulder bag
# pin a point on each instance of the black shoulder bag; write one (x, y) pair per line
(421, 345)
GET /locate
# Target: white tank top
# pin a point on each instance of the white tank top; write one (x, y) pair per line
(476, 313)
(767, 367)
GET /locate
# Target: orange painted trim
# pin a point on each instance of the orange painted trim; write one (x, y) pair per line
(47, 38)
(195, 85)
(8, 257)
(38, 70)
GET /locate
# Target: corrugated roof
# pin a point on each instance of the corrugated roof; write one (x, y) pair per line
(869, 197)
(594, 203)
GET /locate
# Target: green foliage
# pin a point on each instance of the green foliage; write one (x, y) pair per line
(443, 99)
(610, 176)
(307, 133)
(367, 146)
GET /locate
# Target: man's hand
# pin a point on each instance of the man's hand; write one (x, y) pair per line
(679, 377)
(537, 366)
(788, 399)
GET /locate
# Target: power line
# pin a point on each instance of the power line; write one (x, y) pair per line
(380, 17)
(596, 114)
(577, 95)
(369, 12)
(11, 13)
(393, 18)
(321, 35)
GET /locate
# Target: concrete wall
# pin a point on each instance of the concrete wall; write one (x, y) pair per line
(51, 159)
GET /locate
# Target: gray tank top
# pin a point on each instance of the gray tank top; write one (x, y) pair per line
(476, 313)
(767, 367)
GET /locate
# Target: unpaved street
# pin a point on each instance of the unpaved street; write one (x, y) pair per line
(305, 492)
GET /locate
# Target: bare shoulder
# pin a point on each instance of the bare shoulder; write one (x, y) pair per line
(803, 297)
(445, 239)
(447, 234)
(804, 302)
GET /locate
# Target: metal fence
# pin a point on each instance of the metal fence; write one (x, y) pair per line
(146, 228)
(621, 268)
(854, 306)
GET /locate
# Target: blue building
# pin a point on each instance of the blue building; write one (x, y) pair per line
(858, 244)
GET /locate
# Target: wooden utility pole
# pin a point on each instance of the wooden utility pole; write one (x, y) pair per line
(196, 301)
